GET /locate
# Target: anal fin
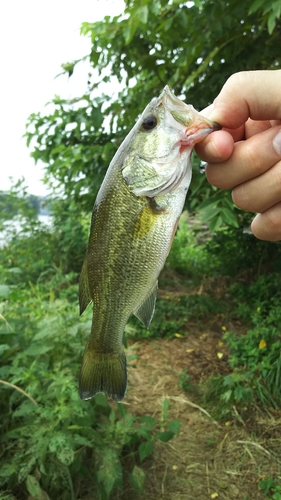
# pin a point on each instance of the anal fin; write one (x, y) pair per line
(146, 310)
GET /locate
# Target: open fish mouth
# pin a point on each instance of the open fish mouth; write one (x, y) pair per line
(184, 114)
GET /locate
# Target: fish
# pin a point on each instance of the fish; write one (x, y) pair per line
(134, 220)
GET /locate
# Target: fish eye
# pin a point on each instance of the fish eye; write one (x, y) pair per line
(149, 123)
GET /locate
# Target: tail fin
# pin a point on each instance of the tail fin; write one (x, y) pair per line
(103, 373)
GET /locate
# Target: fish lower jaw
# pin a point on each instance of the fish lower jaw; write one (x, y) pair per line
(195, 135)
(184, 146)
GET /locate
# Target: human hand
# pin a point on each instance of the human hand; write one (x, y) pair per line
(246, 155)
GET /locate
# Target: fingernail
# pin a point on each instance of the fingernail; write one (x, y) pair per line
(277, 142)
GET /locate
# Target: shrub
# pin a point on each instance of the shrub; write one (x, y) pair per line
(50, 440)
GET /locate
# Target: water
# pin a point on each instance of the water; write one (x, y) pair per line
(15, 225)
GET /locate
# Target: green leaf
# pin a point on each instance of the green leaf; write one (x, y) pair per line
(110, 471)
(132, 357)
(215, 223)
(5, 290)
(3, 348)
(255, 6)
(165, 436)
(137, 478)
(144, 432)
(101, 400)
(112, 417)
(147, 419)
(122, 410)
(145, 449)
(60, 445)
(211, 201)
(189, 81)
(25, 409)
(97, 118)
(143, 14)
(271, 22)
(84, 441)
(226, 396)
(276, 496)
(165, 408)
(38, 349)
(68, 68)
(210, 213)
(15, 270)
(229, 217)
(8, 496)
(129, 32)
(108, 152)
(33, 487)
(7, 470)
(174, 426)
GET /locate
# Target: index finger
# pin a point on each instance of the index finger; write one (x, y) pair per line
(248, 94)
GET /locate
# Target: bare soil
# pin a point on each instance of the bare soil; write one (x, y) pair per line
(208, 459)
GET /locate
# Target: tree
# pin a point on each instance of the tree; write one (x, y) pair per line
(194, 47)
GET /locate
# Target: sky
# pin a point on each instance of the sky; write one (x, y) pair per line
(36, 37)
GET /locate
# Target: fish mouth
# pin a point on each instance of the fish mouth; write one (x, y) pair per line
(197, 127)
(200, 130)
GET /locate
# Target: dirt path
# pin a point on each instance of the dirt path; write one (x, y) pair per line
(208, 459)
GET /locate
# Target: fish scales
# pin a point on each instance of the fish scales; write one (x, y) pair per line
(133, 223)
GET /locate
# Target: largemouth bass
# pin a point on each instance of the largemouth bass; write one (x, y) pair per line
(134, 220)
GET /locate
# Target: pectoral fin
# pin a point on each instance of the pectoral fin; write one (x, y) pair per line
(84, 292)
(145, 312)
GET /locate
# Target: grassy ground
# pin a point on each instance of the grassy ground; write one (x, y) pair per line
(211, 359)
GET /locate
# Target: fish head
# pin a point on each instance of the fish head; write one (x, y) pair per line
(161, 144)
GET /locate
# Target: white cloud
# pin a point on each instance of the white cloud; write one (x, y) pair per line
(36, 37)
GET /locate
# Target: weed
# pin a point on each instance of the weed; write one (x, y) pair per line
(271, 487)
(172, 314)
(254, 357)
(49, 438)
(187, 256)
(184, 382)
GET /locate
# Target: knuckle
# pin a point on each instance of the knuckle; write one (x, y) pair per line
(240, 197)
(276, 172)
(236, 80)
(272, 221)
(252, 158)
(267, 225)
(214, 175)
(219, 175)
